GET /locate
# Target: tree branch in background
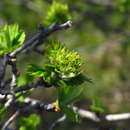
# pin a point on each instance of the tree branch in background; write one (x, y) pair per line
(33, 104)
(108, 118)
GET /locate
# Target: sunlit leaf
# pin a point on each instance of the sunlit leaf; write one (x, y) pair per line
(11, 37)
(24, 80)
(29, 123)
(68, 94)
(58, 13)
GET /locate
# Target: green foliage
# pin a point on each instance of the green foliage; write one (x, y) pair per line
(29, 123)
(62, 69)
(63, 64)
(20, 98)
(46, 71)
(24, 79)
(96, 106)
(58, 13)
(35, 70)
(68, 94)
(95, 28)
(2, 112)
(78, 80)
(22, 95)
(11, 37)
(21, 81)
(67, 63)
(123, 5)
(72, 114)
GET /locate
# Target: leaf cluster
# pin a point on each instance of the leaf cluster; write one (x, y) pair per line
(11, 37)
(29, 122)
(62, 70)
(62, 64)
(58, 13)
(66, 96)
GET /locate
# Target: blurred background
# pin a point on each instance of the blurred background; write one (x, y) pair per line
(101, 35)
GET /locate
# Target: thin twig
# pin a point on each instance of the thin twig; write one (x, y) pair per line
(57, 121)
(6, 82)
(3, 66)
(42, 34)
(10, 120)
(108, 118)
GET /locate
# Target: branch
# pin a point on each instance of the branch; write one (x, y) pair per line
(108, 118)
(6, 82)
(5, 94)
(62, 118)
(15, 74)
(42, 34)
(3, 67)
(100, 19)
(10, 120)
(116, 117)
(32, 104)
(27, 87)
(39, 82)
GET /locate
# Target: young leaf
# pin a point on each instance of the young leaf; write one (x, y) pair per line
(96, 106)
(25, 79)
(21, 96)
(35, 70)
(29, 123)
(72, 114)
(58, 13)
(21, 81)
(46, 71)
(68, 94)
(78, 80)
(11, 37)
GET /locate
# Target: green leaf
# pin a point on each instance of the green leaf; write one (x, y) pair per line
(72, 114)
(96, 106)
(21, 81)
(2, 112)
(21, 96)
(46, 71)
(58, 13)
(35, 70)
(11, 37)
(68, 94)
(25, 79)
(78, 80)
(30, 122)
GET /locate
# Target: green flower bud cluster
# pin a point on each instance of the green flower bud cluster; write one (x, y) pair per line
(65, 61)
